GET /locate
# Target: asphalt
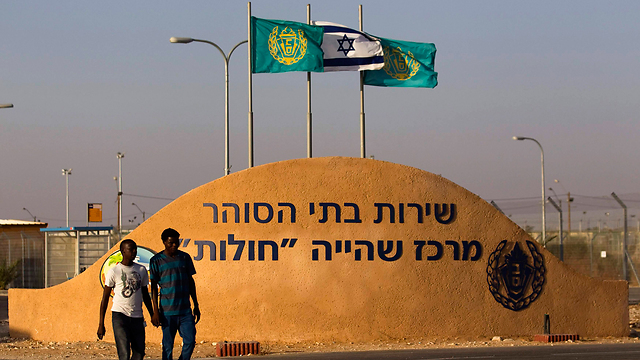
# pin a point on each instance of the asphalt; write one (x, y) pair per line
(556, 352)
(4, 305)
(634, 295)
(4, 314)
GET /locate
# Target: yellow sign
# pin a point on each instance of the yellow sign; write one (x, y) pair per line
(286, 46)
(399, 65)
(94, 212)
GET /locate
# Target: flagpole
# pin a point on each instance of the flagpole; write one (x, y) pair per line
(363, 152)
(309, 116)
(250, 123)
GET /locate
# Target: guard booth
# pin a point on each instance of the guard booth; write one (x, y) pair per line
(71, 250)
(23, 241)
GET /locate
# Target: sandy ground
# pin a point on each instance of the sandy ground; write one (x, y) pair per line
(30, 349)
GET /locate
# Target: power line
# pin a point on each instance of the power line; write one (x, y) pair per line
(149, 197)
(515, 199)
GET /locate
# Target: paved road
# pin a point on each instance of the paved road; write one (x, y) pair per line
(557, 352)
(4, 314)
(4, 305)
(634, 295)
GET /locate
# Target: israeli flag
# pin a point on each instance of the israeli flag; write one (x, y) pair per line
(346, 49)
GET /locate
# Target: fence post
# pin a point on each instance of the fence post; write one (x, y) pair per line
(591, 254)
(77, 263)
(624, 241)
(560, 230)
(46, 260)
(22, 237)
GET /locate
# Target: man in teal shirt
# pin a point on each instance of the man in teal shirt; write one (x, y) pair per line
(173, 271)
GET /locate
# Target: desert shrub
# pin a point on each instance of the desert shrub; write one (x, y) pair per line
(8, 272)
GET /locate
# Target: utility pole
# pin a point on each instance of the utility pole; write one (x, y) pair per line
(120, 155)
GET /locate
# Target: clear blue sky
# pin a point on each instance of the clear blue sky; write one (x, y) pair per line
(89, 79)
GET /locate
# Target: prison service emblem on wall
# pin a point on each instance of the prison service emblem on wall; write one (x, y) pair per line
(515, 277)
(287, 46)
(399, 65)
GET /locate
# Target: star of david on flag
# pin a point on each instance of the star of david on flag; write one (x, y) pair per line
(346, 49)
(349, 44)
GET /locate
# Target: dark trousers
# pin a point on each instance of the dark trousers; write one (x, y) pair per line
(129, 334)
(185, 325)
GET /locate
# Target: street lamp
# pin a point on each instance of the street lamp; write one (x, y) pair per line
(120, 155)
(33, 216)
(544, 222)
(143, 216)
(181, 40)
(66, 173)
(6, 106)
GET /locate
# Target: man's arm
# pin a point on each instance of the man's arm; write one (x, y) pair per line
(146, 299)
(194, 298)
(155, 317)
(103, 310)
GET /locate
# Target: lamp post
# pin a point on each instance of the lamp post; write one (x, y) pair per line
(182, 40)
(6, 106)
(120, 155)
(544, 222)
(33, 216)
(143, 216)
(66, 173)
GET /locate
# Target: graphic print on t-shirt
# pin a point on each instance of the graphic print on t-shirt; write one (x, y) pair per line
(130, 284)
(143, 258)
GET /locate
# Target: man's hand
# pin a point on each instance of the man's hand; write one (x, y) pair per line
(101, 331)
(155, 319)
(196, 313)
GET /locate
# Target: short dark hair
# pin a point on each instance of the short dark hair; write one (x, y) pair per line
(169, 232)
(127, 241)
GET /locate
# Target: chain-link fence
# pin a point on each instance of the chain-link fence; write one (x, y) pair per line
(28, 249)
(71, 251)
(592, 226)
(598, 254)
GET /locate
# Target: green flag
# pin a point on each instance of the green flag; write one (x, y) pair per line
(406, 64)
(281, 46)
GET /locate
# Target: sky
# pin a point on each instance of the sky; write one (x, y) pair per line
(91, 79)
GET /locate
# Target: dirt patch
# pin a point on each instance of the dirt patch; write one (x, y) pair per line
(31, 349)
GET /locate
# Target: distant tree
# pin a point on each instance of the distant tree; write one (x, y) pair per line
(8, 273)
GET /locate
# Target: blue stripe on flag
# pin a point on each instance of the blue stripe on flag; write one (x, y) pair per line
(339, 29)
(354, 61)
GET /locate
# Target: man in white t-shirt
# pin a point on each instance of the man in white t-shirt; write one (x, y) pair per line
(128, 281)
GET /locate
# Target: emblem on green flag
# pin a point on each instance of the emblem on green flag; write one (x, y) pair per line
(406, 64)
(282, 46)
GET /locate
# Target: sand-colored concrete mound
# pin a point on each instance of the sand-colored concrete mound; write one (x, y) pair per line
(346, 249)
